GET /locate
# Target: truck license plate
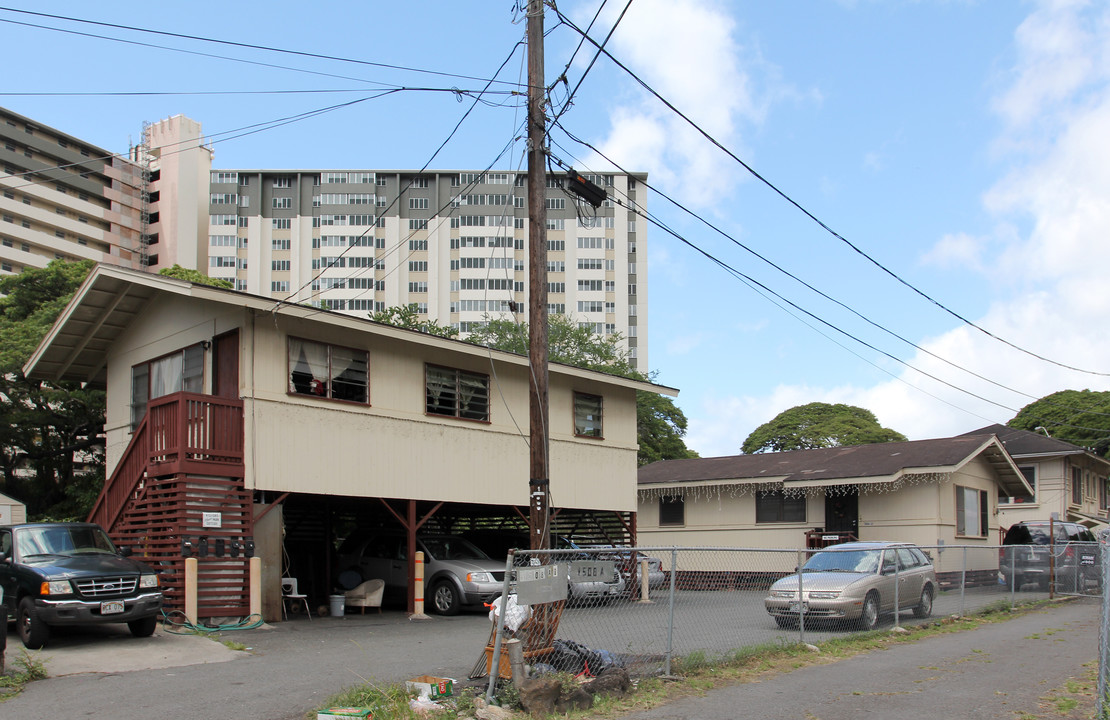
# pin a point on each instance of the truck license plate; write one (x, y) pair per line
(111, 608)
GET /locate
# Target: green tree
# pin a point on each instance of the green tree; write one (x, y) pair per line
(195, 276)
(1081, 417)
(51, 443)
(660, 424)
(567, 342)
(408, 318)
(661, 427)
(819, 425)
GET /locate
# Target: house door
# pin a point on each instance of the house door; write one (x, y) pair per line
(225, 366)
(842, 513)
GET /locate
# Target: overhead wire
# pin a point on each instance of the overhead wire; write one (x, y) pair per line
(570, 97)
(433, 156)
(249, 46)
(766, 291)
(817, 220)
(803, 282)
(175, 93)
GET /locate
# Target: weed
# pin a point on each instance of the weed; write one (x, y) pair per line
(28, 668)
(506, 694)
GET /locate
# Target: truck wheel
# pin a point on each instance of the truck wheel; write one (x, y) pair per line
(32, 630)
(144, 627)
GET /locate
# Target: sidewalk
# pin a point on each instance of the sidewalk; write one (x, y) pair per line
(997, 671)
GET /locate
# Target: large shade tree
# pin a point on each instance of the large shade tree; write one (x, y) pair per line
(660, 424)
(818, 425)
(1081, 417)
(51, 446)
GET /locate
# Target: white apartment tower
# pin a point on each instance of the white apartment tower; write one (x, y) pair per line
(451, 243)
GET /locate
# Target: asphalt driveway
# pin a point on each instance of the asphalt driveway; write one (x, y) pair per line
(995, 671)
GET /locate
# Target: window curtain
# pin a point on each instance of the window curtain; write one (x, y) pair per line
(309, 359)
(166, 375)
(474, 397)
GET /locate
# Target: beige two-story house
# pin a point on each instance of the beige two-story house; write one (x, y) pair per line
(238, 425)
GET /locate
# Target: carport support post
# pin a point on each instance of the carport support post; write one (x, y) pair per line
(418, 588)
(191, 590)
(256, 586)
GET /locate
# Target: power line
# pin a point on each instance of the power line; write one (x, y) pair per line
(764, 291)
(250, 46)
(242, 132)
(804, 283)
(570, 97)
(433, 156)
(814, 218)
(140, 93)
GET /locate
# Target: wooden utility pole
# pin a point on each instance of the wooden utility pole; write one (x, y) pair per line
(538, 482)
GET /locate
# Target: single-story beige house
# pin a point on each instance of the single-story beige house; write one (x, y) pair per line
(236, 423)
(929, 492)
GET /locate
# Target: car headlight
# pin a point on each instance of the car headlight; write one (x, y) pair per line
(148, 581)
(56, 587)
(479, 577)
(824, 595)
(783, 594)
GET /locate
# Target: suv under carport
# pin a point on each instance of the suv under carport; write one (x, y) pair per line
(456, 573)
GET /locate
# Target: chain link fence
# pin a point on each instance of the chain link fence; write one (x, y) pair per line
(662, 610)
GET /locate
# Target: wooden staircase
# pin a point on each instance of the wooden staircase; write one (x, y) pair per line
(181, 478)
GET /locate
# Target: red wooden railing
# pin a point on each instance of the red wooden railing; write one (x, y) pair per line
(181, 433)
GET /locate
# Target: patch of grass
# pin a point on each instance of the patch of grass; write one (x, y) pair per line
(232, 645)
(27, 669)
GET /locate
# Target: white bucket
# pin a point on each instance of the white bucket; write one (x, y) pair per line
(338, 605)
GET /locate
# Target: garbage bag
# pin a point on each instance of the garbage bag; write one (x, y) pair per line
(515, 614)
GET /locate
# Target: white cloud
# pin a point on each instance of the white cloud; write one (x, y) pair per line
(957, 250)
(701, 74)
(1045, 259)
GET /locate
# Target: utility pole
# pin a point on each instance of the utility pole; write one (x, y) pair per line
(538, 482)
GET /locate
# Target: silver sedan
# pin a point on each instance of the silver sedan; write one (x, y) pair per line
(856, 582)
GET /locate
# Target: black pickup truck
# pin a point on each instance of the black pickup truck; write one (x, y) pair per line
(72, 574)
(1033, 550)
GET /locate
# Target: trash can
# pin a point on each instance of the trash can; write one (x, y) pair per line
(338, 605)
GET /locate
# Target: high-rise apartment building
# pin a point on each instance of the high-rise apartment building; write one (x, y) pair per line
(452, 244)
(62, 198)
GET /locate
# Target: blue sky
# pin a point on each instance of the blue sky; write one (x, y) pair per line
(961, 145)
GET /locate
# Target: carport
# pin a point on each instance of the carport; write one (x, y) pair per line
(315, 525)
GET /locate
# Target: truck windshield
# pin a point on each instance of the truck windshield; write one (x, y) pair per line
(62, 541)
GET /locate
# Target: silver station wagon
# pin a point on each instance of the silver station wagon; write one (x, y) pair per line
(855, 582)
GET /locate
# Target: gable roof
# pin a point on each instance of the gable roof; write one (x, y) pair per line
(1023, 444)
(851, 465)
(77, 346)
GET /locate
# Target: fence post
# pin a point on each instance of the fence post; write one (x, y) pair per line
(963, 581)
(801, 600)
(897, 589)
(670, 621)
(494, 664)
(1013, 578)
(1104, 633)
